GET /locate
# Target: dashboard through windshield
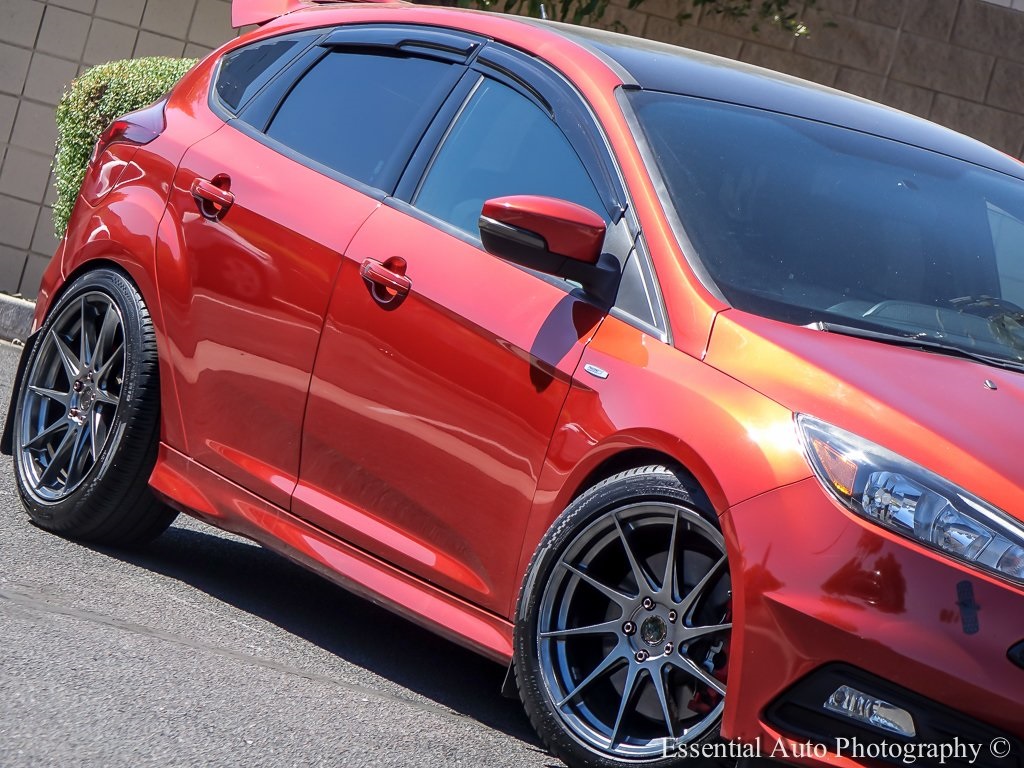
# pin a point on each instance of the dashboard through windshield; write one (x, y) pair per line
(805, 222)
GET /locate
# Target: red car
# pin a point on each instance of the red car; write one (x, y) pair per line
(688, 390)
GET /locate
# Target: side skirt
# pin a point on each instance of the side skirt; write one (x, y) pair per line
(201, 493)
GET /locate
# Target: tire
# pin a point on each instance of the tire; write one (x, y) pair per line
(87, 416)
(601, 619)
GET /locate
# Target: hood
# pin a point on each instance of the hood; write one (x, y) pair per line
(933, 409)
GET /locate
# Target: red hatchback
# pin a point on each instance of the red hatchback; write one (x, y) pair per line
(686, 389)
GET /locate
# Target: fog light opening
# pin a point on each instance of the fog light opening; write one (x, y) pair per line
(859, 706)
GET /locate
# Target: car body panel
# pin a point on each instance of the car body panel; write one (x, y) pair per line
(121, 227)
(429, 417)
(244, 298)
(690, 305)
(207, 495)
(734, 441)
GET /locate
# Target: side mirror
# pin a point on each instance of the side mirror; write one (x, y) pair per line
(552, 236)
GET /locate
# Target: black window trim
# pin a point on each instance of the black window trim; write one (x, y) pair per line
(650, 281)
(443, 44)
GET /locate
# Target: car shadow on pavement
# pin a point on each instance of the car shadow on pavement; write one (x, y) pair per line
(264, 584)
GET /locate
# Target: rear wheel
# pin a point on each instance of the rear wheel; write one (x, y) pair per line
(86, 424)
(623, 626)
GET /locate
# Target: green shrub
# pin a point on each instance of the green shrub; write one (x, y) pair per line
(94, 100)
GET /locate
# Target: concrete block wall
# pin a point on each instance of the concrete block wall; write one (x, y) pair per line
(958, 62)
(43, 46)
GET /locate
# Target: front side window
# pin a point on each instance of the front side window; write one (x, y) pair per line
(502, 144)
(805, 222)
(352, 110)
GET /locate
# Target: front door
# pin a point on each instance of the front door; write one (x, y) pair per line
(430, 415)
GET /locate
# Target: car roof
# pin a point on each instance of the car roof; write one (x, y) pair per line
(652, 65)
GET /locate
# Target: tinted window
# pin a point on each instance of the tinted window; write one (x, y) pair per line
(244, 72)
(502, 144)
(351, 110)
(1008, 239)
(802, 221)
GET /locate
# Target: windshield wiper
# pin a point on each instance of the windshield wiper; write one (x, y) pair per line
(917, 341)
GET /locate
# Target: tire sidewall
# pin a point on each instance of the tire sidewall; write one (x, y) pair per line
(51, 514)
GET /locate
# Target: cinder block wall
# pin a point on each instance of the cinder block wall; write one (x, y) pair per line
(43, 46)
(958, 62)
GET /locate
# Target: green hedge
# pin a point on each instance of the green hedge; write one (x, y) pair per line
(95, 99)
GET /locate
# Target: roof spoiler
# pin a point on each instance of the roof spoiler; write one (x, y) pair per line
(245, 12)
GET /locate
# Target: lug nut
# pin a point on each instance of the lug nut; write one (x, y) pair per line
(672, 616)
(78, 386)
(668, 649)
(629, 628)
(641, 655)
(648, 603)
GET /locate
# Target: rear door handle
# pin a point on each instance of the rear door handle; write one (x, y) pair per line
(213, 197)
(389, 275)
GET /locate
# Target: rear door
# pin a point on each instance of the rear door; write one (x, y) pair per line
(263, 212)
(429, 416)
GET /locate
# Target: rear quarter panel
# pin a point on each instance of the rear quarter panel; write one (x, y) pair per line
(117, 224)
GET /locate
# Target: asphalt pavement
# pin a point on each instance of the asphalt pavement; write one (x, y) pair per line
(204, 649)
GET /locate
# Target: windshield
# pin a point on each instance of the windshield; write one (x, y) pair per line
(805, 222)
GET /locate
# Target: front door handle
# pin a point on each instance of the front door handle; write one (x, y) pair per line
(387, 280)
(213, 197)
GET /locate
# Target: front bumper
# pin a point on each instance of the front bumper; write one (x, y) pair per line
(815, 585)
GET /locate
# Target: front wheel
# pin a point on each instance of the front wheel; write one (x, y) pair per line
(87, 416)
(623, 624)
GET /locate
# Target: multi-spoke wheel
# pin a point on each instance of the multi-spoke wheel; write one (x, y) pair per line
(622, 636)
(71, 395)
(87, 415)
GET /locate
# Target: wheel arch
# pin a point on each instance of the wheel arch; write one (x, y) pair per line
(634, 458)
(627, 449)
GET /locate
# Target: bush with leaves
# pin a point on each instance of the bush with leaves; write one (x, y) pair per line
(96, 98)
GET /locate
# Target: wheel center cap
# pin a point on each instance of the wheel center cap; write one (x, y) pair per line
(83, 399)
(654, 630)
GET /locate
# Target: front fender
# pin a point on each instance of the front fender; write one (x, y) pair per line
(734, 441)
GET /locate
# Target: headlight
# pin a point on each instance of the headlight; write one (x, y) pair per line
(897, 494)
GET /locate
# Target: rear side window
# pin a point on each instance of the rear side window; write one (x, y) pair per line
(352, 110)
(243, 72)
